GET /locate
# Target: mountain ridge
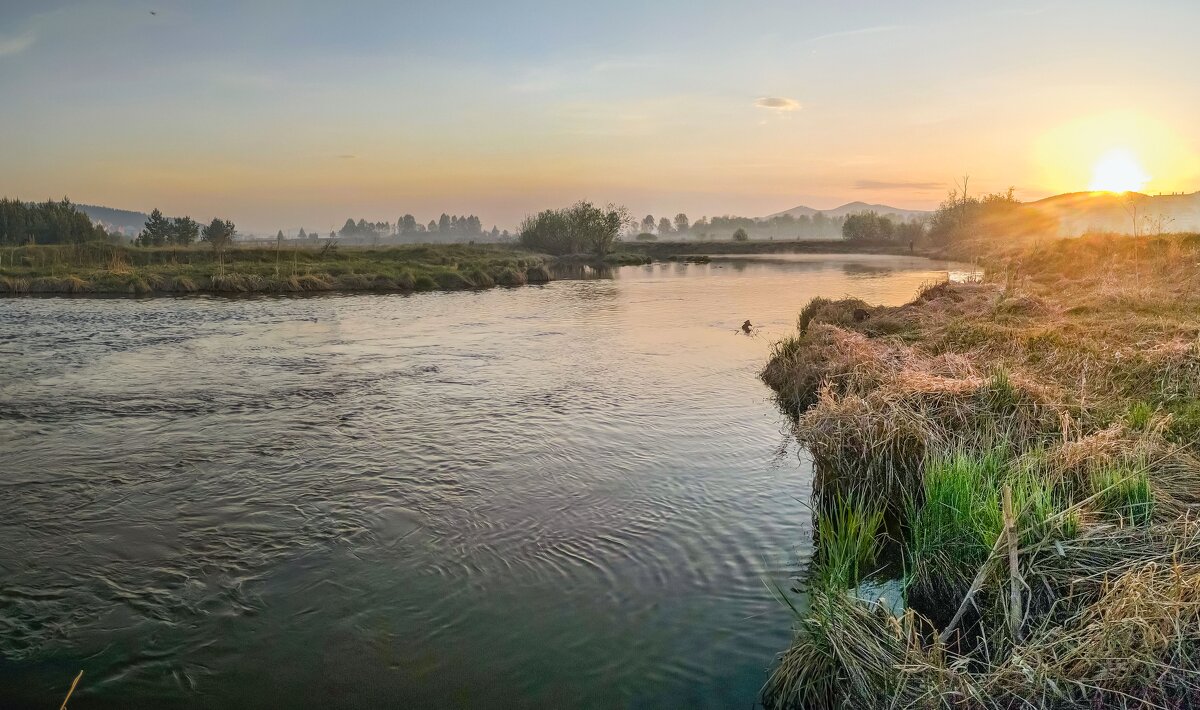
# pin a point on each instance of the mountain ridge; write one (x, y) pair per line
(850, 208)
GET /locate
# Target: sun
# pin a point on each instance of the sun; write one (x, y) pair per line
(1118, 170)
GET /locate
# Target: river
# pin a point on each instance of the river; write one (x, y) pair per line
(570, 495)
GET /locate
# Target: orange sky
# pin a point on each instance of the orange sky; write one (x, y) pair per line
(283, 116)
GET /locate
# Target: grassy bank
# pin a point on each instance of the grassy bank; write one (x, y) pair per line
(1029, 446)
(666, 250)
(106, 269)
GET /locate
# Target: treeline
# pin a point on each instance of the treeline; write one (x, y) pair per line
(817, 226)
(47, 222)
(407, 228)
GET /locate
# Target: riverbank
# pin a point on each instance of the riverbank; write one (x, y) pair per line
(1021, 458)
(98, 268)
(668, 250)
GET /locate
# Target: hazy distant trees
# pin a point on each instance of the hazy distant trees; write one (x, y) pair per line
(582, 227)
(740, 235)
(46, 223)
(664, 226)
(646, 237)
(681, 223)
(648, 223)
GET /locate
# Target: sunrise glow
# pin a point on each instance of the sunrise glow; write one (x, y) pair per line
(1118, 171)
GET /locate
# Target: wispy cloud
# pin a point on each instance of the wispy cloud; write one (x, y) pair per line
(15, 45)
(777, 103)
(888, 185)
(856, 32)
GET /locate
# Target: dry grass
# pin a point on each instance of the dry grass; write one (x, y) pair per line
(1079, 360)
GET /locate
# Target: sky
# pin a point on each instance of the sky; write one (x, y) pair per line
(281, 115)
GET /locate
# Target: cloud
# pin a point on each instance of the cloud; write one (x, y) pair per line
(15, 45)
(886, 185)
(856, 33)
(777, 103)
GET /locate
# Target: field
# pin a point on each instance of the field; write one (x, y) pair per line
(1019, 458)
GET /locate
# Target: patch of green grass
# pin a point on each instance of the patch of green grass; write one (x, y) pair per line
(1139, 416)
(953, 528)
(848, 540)
(1124, 491)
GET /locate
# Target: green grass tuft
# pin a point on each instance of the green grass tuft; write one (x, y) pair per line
(1124, 491)
(848, 540)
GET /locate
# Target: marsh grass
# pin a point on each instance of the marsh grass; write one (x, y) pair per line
(850, 533)
(1124, 491)
(105, 268)
(1061, 379)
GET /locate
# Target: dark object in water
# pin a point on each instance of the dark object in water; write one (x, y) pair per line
(860, 315)
(746, 327)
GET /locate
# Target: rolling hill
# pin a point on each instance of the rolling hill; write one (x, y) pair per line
(1079, 212)
(850, 208)
(127, 222)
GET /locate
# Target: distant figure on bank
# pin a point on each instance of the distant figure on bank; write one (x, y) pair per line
(910, 247)
(746, 327)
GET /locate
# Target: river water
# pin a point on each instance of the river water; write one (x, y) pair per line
(570, 495)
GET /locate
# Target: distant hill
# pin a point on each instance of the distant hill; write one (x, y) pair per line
(125, 221)
(851, 208)
(1079, 212)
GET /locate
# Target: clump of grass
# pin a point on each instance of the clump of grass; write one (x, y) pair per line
(537, 274)
(848, 538)
(1139, 416)
(954, 523)
(1124, 491)
(481, 279)
(453, 280)
(424, 282)
(511, 277)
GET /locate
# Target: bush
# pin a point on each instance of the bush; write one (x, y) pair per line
(581, 228)
(739, 235)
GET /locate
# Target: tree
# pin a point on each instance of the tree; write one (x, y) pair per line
(407, 224)
(582, 227)
(443, 225)
(739, 235)
(648, 223)
(664, 226)
(279, 237)
(646, 237)
(219, 233)
(681, 223)
(157, 230)
(184, 231)
(867, 227)
(349, 229)
(302, 235)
